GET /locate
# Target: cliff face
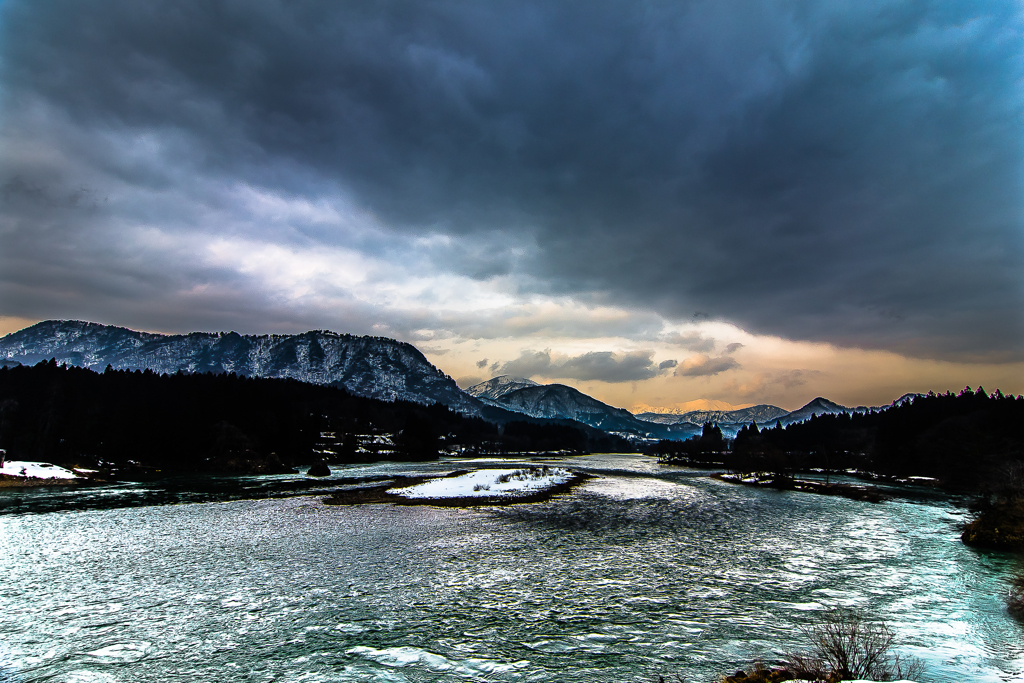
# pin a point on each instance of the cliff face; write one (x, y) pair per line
(376, 367)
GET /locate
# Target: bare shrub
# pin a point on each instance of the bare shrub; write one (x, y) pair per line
(1008, 484)
(523, 475)
(845, 646)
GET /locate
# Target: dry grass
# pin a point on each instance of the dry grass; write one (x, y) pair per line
(9, 481)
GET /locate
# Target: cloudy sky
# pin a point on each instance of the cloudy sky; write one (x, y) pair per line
(666, 204)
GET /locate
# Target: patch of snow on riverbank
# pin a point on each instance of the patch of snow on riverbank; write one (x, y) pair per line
(489, 483)
(40, 470)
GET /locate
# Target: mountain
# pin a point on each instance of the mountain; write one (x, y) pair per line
(818, 406)
(496, 387)
(904, 399)
(375, 367)
(760, 413)
(557, 401)
(731, 421)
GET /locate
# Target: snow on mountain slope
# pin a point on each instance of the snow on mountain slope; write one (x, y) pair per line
(562, 402)
(765, 415)
(496, 387)
(369, 366)
(761, 413)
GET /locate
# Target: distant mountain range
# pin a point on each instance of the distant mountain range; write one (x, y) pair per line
(730, 421)
(760, 413)
(375, 367)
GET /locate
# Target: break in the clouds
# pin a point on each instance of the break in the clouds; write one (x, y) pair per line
(839, 172)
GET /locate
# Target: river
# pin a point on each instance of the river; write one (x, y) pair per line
(646, 570)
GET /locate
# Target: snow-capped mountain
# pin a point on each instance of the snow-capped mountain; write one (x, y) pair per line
(496, 387)
(562, 402)
(759, 413)
(731, 421)
(369, 366)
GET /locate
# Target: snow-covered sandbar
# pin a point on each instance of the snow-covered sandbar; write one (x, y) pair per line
(489, 483)
(23, 472)
(466, 489)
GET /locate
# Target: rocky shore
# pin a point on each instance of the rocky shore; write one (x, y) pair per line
(779, 482)
(998, 527)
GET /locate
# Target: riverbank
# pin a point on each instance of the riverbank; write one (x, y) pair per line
(999, 527)
(24, 473)
(785, 483)
(11, 482)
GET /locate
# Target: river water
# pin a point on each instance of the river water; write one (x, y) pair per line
(646, 570)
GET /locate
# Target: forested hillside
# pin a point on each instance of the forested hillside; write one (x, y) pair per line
(963, 439)
(137, 421)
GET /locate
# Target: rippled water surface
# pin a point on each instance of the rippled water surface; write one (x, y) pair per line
(646, 570)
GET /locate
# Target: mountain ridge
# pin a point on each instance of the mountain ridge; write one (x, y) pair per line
(761, 413)
(376, 367)
(496, 387)
(558, 401)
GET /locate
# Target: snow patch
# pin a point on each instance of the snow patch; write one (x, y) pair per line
(39, 470)
(489, 483)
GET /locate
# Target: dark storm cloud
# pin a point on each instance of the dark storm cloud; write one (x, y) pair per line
(529, 363)
(844, 172)
(604, 366)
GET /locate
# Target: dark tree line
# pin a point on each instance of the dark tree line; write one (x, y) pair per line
(966, 440)
(142, 420)
(708, 448)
